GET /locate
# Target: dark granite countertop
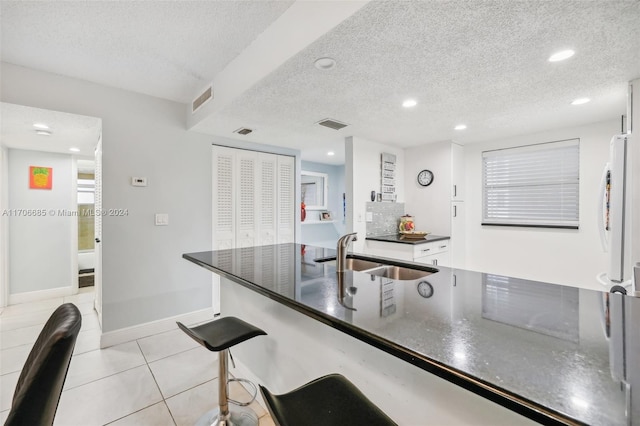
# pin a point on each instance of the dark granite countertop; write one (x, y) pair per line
(397, 238)
(536, 348)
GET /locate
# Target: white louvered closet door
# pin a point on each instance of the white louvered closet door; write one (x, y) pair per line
(253, 198)
(246, 176)
(223, 198)
(267, 199)
(286, 199)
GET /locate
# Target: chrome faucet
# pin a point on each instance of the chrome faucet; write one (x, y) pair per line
(343, 246)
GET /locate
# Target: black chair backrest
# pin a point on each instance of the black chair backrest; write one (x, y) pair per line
(37, 393)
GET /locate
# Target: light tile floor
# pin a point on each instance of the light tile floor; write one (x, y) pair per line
(164, 379)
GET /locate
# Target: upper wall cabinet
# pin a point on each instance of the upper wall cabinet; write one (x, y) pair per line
(457, 172)
(253, 198)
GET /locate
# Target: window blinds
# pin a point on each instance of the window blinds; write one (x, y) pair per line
(535, 185)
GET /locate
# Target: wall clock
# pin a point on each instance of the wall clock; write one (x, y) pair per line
(425, 177)
(425, 289)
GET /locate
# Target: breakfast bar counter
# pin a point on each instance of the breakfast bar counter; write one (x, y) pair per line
(553, 354)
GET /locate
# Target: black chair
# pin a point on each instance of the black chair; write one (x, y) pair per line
(37, 393)
(328, 401)
(218, 336)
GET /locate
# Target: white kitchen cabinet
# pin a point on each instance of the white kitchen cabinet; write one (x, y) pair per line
(441, 259)
(253, 198)
(457, 172)
(458, 217)
(431, 253)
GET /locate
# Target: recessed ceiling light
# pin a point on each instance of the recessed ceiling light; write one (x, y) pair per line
(580, 101)
(561, 56)
(40, 126)
(325, 63)
(44, 132)
(460, 127)
(74, 149)
(331, 153)
(409, 103)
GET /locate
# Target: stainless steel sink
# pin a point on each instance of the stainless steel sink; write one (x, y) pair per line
(371, 267)
(398, 273)
(360, 264)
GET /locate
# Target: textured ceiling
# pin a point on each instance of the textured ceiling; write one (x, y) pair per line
(479, 63)
(167, 49)
(68, 130)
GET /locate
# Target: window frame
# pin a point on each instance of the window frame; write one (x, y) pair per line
(570, 187)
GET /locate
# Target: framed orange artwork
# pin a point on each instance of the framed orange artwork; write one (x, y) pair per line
(40, 177)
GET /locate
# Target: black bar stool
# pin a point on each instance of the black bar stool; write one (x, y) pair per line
(218, 336)
(328, 401)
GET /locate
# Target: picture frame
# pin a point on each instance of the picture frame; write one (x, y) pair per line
(325, 215)
(40, 177)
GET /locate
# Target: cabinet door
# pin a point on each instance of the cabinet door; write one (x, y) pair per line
(267, 199)
(245, 176)
(224, 198)
(439, 259)
(457, 172)
(458, 234)
(286, 199)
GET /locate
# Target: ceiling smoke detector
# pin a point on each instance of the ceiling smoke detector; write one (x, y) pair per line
(243, 131)
(325, 64)
(332, 124)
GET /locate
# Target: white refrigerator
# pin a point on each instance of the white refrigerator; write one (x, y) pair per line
(614, 213)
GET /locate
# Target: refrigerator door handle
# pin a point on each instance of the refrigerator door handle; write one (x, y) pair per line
(601, 201)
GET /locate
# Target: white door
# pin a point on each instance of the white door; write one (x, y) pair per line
(224, 198)
(266, 199)
(97, 272)
(286, 199)
(246, 175)
(4, 275)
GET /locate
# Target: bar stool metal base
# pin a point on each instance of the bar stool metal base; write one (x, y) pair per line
(237, 417)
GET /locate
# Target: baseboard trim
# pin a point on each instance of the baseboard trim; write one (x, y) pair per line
(34, 296)
(139, 331)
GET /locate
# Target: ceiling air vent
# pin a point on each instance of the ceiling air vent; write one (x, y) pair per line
(200, 100)
(332, 124)
(243, 131)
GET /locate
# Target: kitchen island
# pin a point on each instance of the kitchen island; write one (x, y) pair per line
(456, 347)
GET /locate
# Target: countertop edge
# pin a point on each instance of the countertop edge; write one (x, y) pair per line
(502, 397)
(395, 239)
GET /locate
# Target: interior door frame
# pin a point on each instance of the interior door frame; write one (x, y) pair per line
(4, 228)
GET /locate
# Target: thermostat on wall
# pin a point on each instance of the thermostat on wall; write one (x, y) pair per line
(138, 181)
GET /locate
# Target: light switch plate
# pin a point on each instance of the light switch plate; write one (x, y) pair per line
(138, 181)
(162, 219)
(369, 217)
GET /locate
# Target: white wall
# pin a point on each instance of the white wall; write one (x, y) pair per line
(4, 227)
(429, 205)
(362, 175)
(144, 275)
(570, 257)
(41, 247)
